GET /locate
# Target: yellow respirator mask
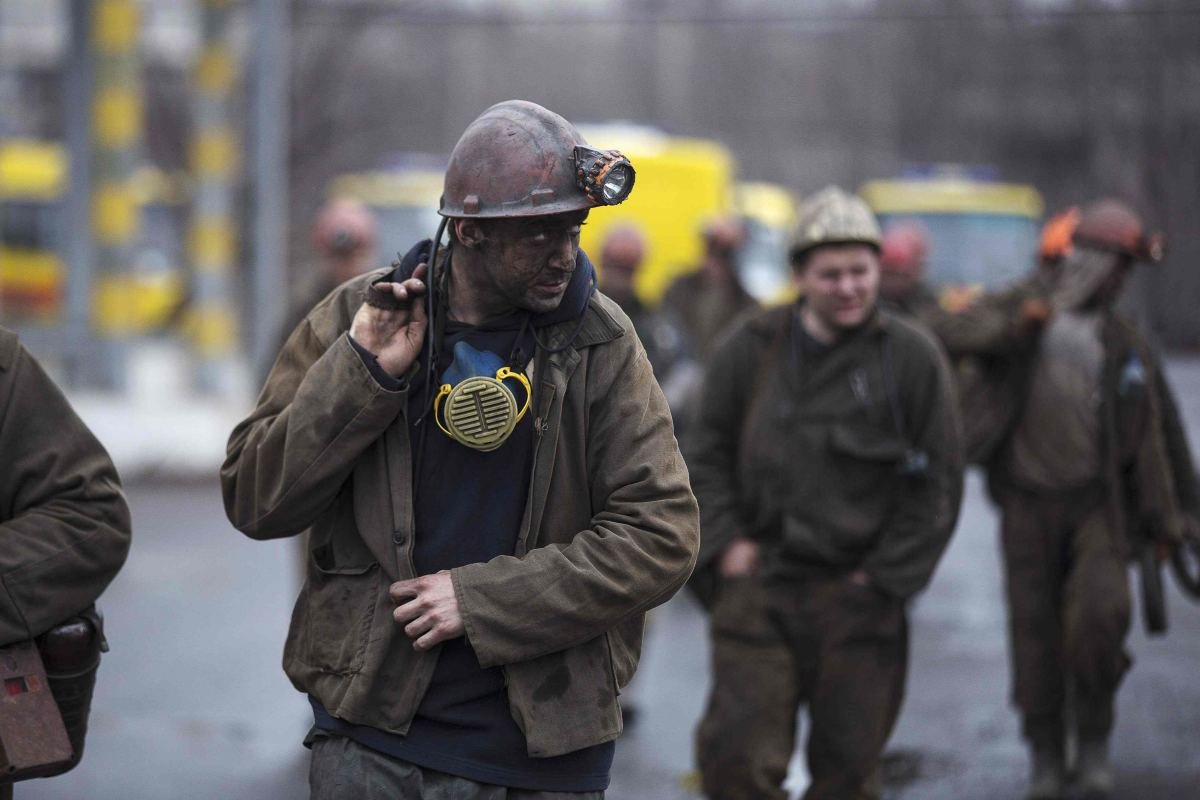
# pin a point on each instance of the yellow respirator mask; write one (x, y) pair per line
(481, 412)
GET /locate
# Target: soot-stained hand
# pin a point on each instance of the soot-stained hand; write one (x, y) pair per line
(428, 609)
(392, 321)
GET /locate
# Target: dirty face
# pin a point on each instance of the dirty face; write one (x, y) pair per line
(528, 261)
(840, 284)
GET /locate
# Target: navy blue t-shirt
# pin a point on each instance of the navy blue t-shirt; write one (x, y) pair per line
(468, 508)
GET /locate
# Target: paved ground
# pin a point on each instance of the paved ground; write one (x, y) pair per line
(192, 703)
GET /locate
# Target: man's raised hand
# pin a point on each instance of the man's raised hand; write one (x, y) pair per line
(391, 323)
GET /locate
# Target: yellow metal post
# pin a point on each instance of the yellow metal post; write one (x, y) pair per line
(116, 148)
(212, 239)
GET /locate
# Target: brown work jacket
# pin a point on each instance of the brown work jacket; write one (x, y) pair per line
(706, 311)
(810, 460)
(1148, 476)
(610, 527)
(990, 344)
(64, 524)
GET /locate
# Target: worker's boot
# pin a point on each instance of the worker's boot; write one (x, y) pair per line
(1094, 774)
(1048, 776)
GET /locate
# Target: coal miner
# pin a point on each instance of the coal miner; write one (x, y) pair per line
(344, 236)
(1093, 466)
(708, 299)
(622, 254)
(494, 493)
(828, 467)
(902, 254)
(64, 523)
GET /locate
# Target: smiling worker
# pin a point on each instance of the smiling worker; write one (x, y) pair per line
(828, 466)
(494, 492)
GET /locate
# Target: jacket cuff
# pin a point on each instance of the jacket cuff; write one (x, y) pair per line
(471, 632)
(380, 375)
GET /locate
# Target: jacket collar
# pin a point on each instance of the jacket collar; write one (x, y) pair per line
(597, 327)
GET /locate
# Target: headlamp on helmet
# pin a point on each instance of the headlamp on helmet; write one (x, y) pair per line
(605, 176)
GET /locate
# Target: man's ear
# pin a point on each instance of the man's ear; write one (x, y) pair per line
(468, 232)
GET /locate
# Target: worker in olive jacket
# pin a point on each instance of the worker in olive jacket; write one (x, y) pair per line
(828, 467)
(64, 524)
(494, 493)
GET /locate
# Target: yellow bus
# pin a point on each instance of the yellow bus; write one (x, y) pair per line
(982, 233)
(33, 182)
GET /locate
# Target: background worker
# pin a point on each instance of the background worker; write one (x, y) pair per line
(344, 237)
(1095, 464)
(622, 254)
(828, 467)
(902, 254)
(707, 300)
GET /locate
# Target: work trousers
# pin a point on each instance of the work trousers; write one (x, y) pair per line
(1068, 612)
(342, 768)
(841, 649)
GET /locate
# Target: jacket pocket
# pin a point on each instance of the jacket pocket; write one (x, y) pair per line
(340, 605)
(567, 700)
(864, 460)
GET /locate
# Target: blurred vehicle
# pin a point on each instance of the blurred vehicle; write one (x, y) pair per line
(983, 234)
(33, 182)
(769, 213)
(681, 184)
(404, 200)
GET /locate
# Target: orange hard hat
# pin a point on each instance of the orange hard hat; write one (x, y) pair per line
(344, 227)
(904, 249)
(1112, 225)
(1055, 241)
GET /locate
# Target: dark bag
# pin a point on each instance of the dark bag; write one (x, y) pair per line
(48, 685)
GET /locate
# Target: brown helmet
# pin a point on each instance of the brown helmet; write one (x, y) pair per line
(1112, 225)
(343, 227)
(518, 159)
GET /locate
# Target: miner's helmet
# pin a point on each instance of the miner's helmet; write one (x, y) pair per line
(1112, 225)
(833, 217)
(518, 159)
